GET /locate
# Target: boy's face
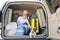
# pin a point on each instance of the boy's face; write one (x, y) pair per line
(24, 15)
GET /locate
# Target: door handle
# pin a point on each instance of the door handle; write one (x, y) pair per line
(58, 30)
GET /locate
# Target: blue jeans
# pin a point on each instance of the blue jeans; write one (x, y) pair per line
(25, 29)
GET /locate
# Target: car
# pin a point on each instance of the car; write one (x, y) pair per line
(40, 19)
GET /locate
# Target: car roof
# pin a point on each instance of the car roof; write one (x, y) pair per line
(2, 2)
(23, 0)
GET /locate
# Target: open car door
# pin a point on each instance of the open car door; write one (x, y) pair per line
(54, 23)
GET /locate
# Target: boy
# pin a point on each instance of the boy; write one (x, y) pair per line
(23, 24)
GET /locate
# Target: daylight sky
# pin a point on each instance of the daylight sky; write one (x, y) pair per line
(2, 2)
